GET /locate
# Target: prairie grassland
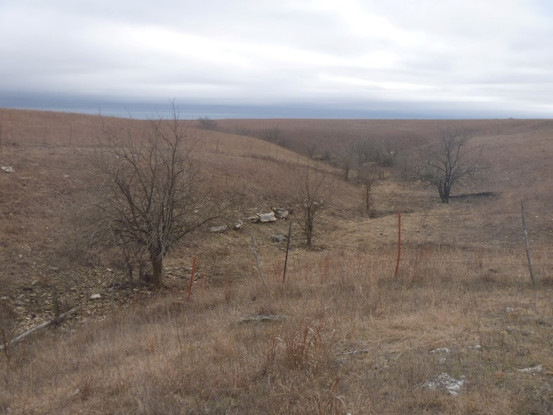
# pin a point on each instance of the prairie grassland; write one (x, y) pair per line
(341, 335)
(351, 339)
(331, 136)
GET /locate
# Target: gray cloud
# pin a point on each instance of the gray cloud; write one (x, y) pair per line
(419, 58)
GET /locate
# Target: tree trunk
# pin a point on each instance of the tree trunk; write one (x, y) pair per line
(157, 270)
(446, 196)
(130, 270)
(309, 232)
(309, 225)
(367, 197)
(309, 235)
(444, 193)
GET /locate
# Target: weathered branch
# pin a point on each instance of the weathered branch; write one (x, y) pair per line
(23, 336)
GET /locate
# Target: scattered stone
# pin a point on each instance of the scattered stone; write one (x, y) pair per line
(440, 350)
(218, 229)
(442, 353)
(532, 370)
(447, 382)
(264, 318)
(7, 169)
(267, 217)
(95, 297)
(475, 347)
(354, 352)
(19, 303)
(238, 225)
(281, 213)
(278, 238)
(253, 219)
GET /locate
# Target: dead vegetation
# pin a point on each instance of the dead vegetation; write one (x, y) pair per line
(353, 340)
(342, 335)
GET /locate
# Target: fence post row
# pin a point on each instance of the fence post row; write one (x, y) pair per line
(398, 243)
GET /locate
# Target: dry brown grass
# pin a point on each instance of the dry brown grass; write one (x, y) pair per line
(329, 136)
(354, 340)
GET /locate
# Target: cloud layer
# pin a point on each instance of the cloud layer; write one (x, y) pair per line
(425, 58)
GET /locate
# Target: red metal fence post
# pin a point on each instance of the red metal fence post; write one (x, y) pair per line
(398, 243)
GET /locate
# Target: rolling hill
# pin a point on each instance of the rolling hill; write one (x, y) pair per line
(341, 335)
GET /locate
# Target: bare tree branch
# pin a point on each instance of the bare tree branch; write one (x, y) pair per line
(446, 165)
(314, 192)
(152, 196)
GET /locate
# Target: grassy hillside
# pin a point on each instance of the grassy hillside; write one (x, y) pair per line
(54, 185)
(329, 136)
(342, 335)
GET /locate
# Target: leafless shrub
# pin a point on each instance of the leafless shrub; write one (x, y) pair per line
(152, 195)
(447, 164)
(356, 157)
(207, 123)
(367, 177)
(314, 191)
(346, 161)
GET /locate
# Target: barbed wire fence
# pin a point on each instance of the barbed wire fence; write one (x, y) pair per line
(503, 248)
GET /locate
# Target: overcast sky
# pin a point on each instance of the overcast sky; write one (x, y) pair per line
(281, 58)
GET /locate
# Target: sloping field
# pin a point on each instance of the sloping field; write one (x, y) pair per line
(460, 329)
(53, 186)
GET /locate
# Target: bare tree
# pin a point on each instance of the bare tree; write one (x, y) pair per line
(346, 160)
(207, 123)
(385, 154)
(354, 158)
(367, 177)
(272, 135)
(375, 151)
(447, 164)
(312, 149)
(152, 196)
(313, 194)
